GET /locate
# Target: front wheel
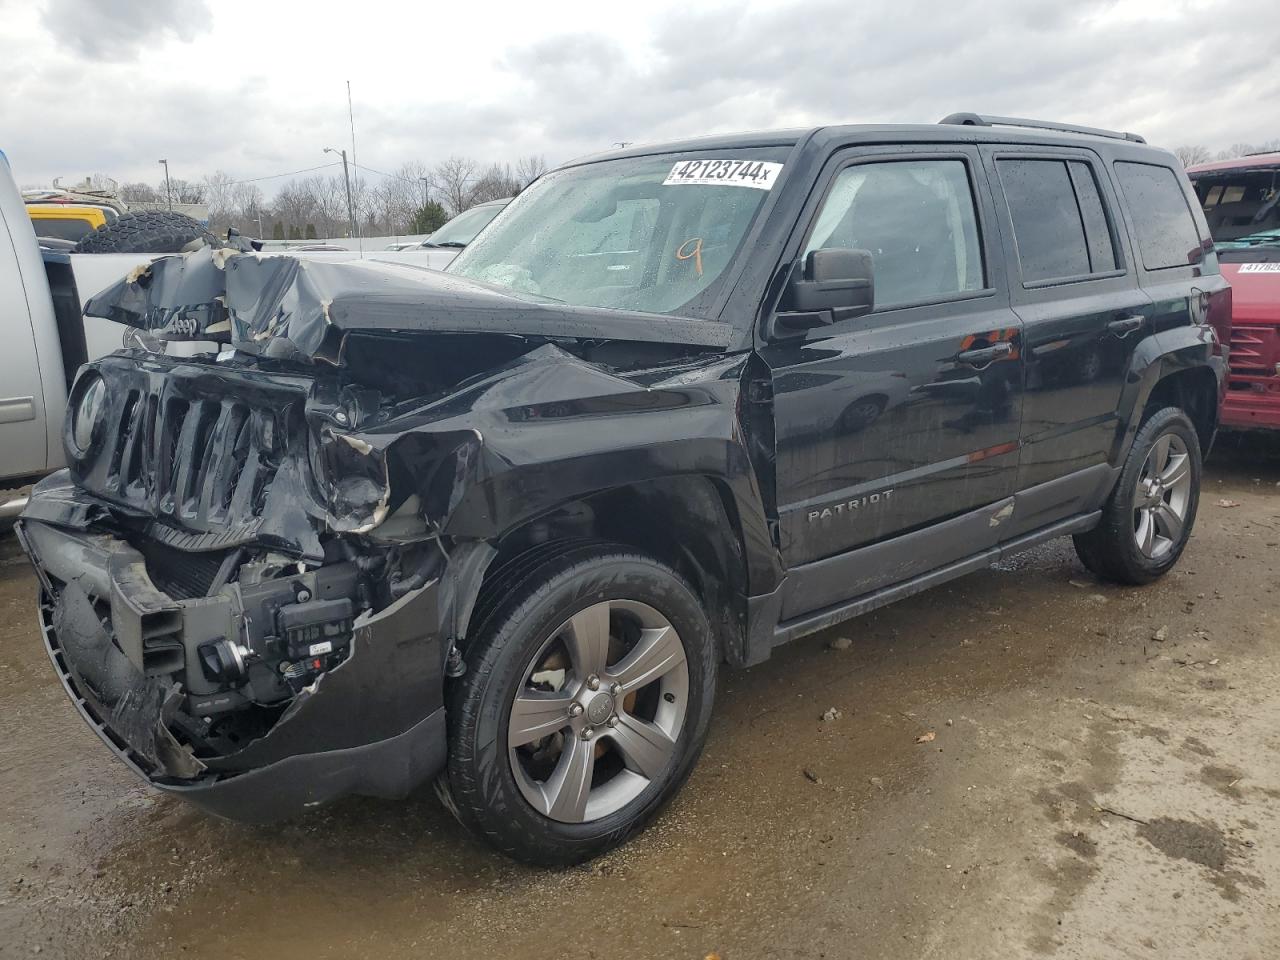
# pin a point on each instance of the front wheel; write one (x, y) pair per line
(585, 704)
(1147, 520)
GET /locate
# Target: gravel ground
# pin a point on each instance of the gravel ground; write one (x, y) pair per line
(1025, 763)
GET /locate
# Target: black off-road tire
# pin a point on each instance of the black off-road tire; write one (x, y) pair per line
(1110, 550)
(509, 628)
(147, 231)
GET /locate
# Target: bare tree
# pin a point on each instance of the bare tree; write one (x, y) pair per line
(413, 173)
(452, 179)
(247, 204)
(217, 187)
(138, 193)
(327, 197)
(496, 182)
(529, 169)
(1238, 150)
(183, 191)
(1192, 153)
(295, 205)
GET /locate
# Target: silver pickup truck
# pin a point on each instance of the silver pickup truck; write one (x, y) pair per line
(45, 340)
(46, 337)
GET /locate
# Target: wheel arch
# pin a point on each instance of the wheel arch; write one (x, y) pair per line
(691, 523)
(1179, 368)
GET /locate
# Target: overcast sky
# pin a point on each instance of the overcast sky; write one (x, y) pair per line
(110, 86)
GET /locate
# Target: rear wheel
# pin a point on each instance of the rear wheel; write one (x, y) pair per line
(1148, 519)
(584, 706)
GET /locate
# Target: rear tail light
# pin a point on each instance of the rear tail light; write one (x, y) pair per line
(1216, 311)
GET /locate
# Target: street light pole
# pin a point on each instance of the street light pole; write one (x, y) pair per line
(168, 193)
(346, 178)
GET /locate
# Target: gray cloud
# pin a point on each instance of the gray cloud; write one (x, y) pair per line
(1188, 73)
(119, 30)
(1178, 78)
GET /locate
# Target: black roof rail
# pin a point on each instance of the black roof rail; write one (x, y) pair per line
(979, 120)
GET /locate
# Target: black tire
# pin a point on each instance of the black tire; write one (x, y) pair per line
(1111, 549)
(147, 231)
(479, 786)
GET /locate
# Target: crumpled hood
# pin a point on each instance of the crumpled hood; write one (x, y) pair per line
(291, 307)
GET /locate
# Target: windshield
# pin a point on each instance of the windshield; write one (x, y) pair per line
(1239, 203)
(463, 228)
(654, 234)
(1267, 238)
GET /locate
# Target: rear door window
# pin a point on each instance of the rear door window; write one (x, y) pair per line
(1167, 234)
(1059, 223)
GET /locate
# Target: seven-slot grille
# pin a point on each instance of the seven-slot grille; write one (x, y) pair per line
(203, 463)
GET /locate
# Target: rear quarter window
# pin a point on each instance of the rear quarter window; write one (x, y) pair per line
(70, 228)
(1167, 234)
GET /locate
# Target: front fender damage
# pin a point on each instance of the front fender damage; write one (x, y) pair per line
(533, 433)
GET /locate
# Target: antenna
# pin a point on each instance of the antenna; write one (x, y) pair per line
(351, 118)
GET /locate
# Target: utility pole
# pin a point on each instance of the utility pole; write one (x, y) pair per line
(426, 190)
(346, 178)
(168, 193)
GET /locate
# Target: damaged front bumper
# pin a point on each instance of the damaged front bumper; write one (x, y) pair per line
(373, 725)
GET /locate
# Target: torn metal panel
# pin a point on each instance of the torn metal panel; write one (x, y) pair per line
(136, 706)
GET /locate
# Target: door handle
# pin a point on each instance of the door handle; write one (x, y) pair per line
(985, 355)
(1125, 325)
(17, 409)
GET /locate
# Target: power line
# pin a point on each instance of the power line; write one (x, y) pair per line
(389, 176)
(276, 176)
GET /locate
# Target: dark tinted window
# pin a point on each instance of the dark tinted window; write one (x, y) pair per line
(1046, 219)
(1238, 203)
(71, 228)
(1102, 254)
(1167, 236)
(916, 217)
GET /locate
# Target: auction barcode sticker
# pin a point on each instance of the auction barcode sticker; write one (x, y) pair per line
(725, 173)
(1260, 268)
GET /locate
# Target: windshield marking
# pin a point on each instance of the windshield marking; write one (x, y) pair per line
(759, 174)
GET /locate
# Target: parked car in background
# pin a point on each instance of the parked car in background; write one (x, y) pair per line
(61, 213)
(1241, 203)
(676, 406)
(443, 245)
(68, 221)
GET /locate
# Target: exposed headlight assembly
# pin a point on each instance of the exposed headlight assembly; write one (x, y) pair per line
(87, 406)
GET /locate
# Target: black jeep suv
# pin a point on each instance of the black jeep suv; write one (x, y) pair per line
(500, 526)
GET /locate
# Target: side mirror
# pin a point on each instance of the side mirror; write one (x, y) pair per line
(830, 285)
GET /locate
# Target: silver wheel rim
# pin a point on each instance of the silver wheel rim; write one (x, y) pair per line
(1162, 496)
(600, 711)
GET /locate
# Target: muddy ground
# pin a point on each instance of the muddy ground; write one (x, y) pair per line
(1103, 780)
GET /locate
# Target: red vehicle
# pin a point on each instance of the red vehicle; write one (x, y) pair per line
(1241, 201)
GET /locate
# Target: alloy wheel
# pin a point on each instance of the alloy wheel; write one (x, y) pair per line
(599, 711)
(1162, 496)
